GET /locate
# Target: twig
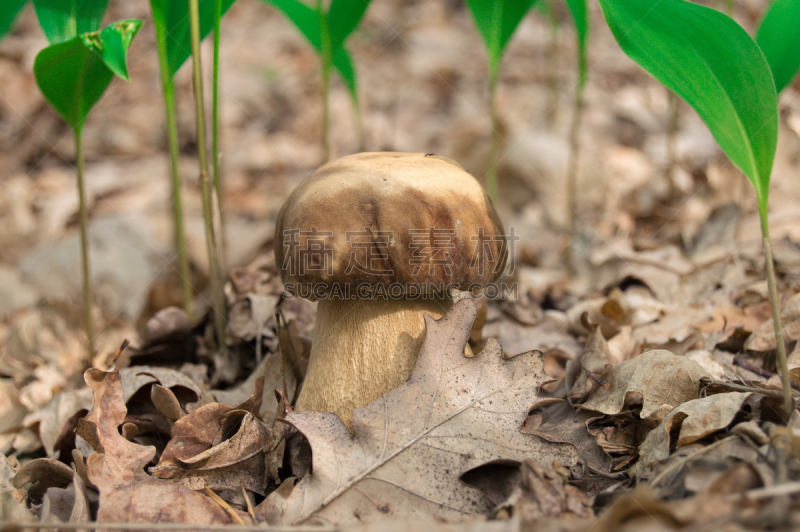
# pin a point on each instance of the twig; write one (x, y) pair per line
(775, 394)
(789, 488)
(15, 527)
(739, 361)
(247, 501)
(683, 461)
(225, 506)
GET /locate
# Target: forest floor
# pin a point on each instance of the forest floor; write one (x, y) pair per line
(661, 339)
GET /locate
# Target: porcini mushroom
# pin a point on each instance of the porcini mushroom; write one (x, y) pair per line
(379, 239)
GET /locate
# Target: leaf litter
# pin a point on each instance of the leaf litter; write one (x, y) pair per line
(687, 434)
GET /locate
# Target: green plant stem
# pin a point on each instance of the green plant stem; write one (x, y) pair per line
(358, 123)
(215, 147)
(494, 139)
(215, 273)
(326, 60)
(788, 405)
(168, 84)
(83, 213)
(215, 100)
(729, 8)
(572, 176)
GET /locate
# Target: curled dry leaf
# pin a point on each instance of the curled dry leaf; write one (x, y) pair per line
(137, 377)
(58, 418)
(197, 432)
(219, 446)
(410, 446)
(692, 421)
(68, 505)
(763, 339)
(663, 380)
(594, 362)
(43, 473)
(229, 462)
(555, 420)
(127, 493)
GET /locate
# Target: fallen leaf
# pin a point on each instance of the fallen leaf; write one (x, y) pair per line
(127, 493)
(43, 473)
(763, 339)
(226, 464)
(555, 420)
(68, 505)
(691, 421)
(543, 493)
(409, 447)
(197, 432)
(663, 380)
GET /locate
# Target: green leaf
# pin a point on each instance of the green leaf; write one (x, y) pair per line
(8, 14)
(497, 20)
(304, 17)
(714, 65)
(64, 19)
(112, 44)
(74, 74)
(171, 18)
(343, 63)
(343, 19)
(779, 38)
(580, 17)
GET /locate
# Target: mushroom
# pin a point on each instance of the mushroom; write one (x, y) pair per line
(379, 239)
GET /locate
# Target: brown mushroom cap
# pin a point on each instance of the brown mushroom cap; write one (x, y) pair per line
(380, 219)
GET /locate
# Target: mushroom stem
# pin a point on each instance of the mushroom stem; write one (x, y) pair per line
(362, 350)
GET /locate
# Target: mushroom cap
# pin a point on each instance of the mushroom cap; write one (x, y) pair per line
(388, 220)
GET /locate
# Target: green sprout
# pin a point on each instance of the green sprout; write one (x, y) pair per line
(580, 17)
(778, 36)
(171, 21)
(73, 73)
(218, 302)
(327, 32)
(8, 14)
(716, 67)
(496, 20)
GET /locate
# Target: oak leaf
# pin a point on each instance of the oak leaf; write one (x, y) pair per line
(127, 493)
(409, 447)
(663, 380)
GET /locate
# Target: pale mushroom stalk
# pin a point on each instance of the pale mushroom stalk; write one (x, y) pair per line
(362, 350)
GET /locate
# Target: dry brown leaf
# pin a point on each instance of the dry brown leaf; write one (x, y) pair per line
(202, 429)
(556, 421)
(127, 493)
(594, 362)
(692, 420)
(545, 494)
(663, 380)
(43, 473)
(409, 447)
(763, 339)
(227, 464)
(137, 377)
(58, 418)
(68, 505)
(166, 403)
